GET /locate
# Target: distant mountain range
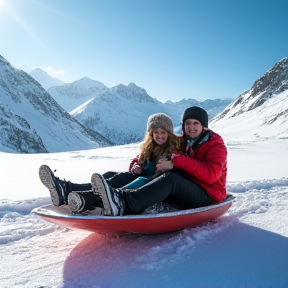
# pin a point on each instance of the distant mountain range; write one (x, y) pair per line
(120, 113)
(35, 120)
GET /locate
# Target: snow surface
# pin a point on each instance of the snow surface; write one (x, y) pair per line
(246, 247)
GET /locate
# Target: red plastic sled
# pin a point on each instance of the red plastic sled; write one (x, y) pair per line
(142, 223)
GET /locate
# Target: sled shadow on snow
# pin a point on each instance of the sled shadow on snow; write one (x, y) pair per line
(232, 253)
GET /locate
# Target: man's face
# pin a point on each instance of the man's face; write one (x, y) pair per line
(193, 128)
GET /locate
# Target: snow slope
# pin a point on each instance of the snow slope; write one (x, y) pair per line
(247, 247)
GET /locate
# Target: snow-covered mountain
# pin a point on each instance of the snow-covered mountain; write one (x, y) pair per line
(134, 93)
(119, 119)
(33, 122)
(45, 79)
(72, 95)
(120, 113)
(265, 105)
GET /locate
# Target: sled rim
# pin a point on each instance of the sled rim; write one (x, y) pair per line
(135, 224)
(42, 211)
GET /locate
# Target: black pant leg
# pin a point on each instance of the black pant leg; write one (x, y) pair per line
(109, 174)
(169, 187)
(114, 179)
(80, 187)
(121, 179)
(153, 192)
(187, 194)
(86, 187)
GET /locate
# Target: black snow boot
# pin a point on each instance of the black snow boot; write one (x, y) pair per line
(59, 189)
(82, 201)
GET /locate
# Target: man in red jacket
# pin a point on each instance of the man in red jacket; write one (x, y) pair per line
(196, 175)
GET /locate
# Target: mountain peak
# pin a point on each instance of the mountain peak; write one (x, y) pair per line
(45, 79)
(38, 70)
(274, 80)
(87, 83)
(132, 85)
(133, 92)
(265, 101)
(74, 94)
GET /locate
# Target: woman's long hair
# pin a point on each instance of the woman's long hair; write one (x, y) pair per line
(149, 148)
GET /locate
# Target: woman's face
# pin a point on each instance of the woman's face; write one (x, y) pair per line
(193, 128)
(160, 136)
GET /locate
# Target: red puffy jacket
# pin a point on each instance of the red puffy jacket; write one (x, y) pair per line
(207, 167)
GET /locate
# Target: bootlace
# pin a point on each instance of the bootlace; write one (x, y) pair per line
(63, 183)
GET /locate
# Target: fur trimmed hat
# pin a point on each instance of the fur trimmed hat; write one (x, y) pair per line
(160, 120)
(197, 113)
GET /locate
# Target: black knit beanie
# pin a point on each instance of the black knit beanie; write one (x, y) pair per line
(160, 120)
(196, 113)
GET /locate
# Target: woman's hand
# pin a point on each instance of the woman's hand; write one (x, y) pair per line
(136, 169)
(164, 165)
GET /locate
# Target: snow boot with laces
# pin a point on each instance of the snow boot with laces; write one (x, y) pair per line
(59, 189)
(113, 199)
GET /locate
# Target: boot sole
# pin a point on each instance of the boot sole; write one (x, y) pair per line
(101, 188)
(47, 180)
(75, 203)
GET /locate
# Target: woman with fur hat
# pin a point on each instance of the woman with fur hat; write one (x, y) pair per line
(197, 175)
(158, 143)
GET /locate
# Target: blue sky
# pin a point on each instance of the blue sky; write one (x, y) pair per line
(175, 49)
